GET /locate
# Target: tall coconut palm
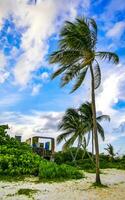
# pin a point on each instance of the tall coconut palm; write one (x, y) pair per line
(76, 55)
(86, 113)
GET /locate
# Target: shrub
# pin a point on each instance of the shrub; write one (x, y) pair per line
(62, 157)
(25, 164)
(50, 170)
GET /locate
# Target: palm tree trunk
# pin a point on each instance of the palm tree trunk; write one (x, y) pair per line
(98, 181)
(92, 143)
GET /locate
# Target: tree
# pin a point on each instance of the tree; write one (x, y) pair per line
(77, 55)
(110, 151)
(73, 130)
(3, 134)
(86, 113)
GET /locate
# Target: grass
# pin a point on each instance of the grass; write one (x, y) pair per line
(96, 185)
(27, 192)
(93, 171)
(6, 178)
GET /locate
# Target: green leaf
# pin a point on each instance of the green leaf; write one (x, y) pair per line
(79, 80)
(108, 56)
(97, 76)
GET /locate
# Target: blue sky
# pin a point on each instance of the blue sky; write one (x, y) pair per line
(29, 100)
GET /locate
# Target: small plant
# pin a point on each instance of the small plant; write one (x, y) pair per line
(26, 191)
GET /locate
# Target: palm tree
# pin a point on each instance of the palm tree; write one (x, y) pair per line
(110, 150)
(86, 113)
(77, 55)
(73, 130)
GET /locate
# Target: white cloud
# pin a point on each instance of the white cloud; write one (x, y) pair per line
(3, 61)
(36, 123)
(9, 100)
(4, 74)
(41, 21)
(36, 89)
(111, 90)
(117, 30)
(44, 76)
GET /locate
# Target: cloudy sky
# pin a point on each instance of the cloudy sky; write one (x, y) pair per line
(30, 102)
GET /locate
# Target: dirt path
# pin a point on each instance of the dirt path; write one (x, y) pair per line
(70, 190)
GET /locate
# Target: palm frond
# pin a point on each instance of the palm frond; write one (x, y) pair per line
(86, 110)
(103, 117)
(63, 136)
(80, 80)
(97, 75)
(108, 56)
(65, 57)
(70, 141)
(94, 30)
(58, 72)
(76, 35)
(101, 131)
(88, 139)
(110, 150)
(70, 74)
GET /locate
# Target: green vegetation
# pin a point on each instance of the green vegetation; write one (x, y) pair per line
(110, 151)
(27, 192)
(76, 56)
(52, 171)
(86, 163)
(95, 185)
(76, 124)
(17, 160)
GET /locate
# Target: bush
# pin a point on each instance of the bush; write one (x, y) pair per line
(62, 157)
(50, 170)
(17, 159)
(25, 164)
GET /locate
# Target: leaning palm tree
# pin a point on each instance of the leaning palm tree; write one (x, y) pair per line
(73, 130)
(77, 55)
(86, 113)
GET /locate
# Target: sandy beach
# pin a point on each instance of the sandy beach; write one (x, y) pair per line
(70, 190)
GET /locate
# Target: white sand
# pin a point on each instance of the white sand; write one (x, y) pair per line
(70, 190)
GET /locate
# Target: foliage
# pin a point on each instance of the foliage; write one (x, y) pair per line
(65, 156)
(18, 159)
(96, 185)
(24, 164)
(76, 55)
(76, 123)
(50, 170)
(77, 51)
(26, 191)
(86, 113)
(110, 151)
(86, 164)
(73, 128)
